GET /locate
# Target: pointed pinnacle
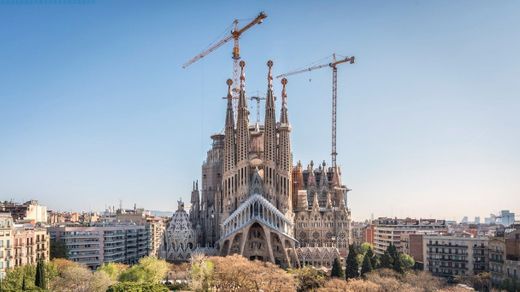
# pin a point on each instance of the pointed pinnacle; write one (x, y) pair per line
(229, 82)
(270, 74)
(242, 74)
(284, 94)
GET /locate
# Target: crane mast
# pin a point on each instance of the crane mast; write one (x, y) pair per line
(258, 99)
(334, 67)
(235, 34)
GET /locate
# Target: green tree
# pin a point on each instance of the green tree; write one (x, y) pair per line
(352, 269)
(337, 270)
(40, 279)
(308, 278)
(386, 261)
(364, 248)
(14, 278)
(372, 257)
(137, 287)
(24, 286)
(367, 265)
(407, 261)
(100, 281)
(201, 273)
(396, 262)
(58, 249)
(113, 270)
(392, 251)
(149, 270)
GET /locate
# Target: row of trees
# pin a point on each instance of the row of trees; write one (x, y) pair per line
(236, 273)
(362, 260)
(64, 275)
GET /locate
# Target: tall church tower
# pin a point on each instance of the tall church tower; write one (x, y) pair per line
(270, 143)
(195, 204)
(242, 136)
(284, 156)
(228, 181)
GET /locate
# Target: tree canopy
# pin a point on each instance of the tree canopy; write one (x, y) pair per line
(337, 269)
(367, 265)
(352, 269)
(149, 270)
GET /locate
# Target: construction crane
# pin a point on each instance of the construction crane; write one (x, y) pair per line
(235, 35)
(333, 64)
(258, 99)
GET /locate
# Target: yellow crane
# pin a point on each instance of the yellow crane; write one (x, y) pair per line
(333, 64)
(234, 35)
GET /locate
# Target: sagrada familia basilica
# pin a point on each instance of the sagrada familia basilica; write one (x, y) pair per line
(255, 202)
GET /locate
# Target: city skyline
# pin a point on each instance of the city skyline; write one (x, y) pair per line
(100, 110)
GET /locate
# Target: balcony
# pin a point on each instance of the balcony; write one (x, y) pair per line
(446, 260)
(446, 245)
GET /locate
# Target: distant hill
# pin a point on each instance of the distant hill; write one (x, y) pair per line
(161, 213)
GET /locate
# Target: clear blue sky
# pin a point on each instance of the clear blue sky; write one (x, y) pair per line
(95, 107)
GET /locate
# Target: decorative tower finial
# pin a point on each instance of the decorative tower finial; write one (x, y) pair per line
(284, 118)
(270, 74)
(242, 74)
(229, 82)
(284, 82)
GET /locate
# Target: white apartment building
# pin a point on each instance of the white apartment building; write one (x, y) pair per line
(98, 244)
(389, 231)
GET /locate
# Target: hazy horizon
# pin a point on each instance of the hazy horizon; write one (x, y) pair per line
(95, 107)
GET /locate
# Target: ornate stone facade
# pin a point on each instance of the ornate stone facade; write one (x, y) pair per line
(321, 216)
(253, 201)
(179, 239)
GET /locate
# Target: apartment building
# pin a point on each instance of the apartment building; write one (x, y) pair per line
(452, 255)
(30, 211)
(389, 231)
(357, 232)
(103, 243)
(504, 257)
(156, 227)
(6, 233)
(30, 243)
(21, 244)
(497, 257)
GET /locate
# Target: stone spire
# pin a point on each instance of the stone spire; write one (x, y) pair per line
(229, 132)
(270, 120)
(315, 203)
(270, 144)
(284, 150)
(284, 119)
(311, 179)
(324, 180)
(329, 201)
(284, 154)
(242, 119)
(336, 176)
(195, 205)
